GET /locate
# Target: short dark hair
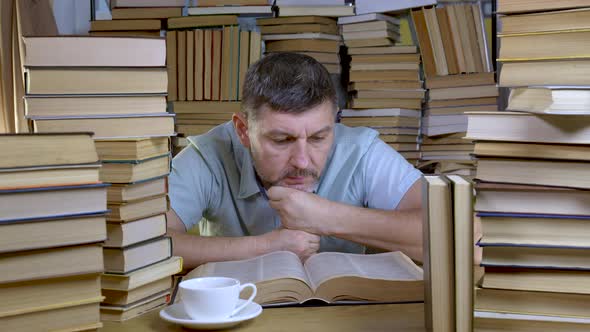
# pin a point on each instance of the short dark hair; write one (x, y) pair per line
(286, 82)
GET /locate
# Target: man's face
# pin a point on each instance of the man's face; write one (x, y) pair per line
(290, 150)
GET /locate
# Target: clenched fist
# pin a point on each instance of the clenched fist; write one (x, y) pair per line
(301, 243)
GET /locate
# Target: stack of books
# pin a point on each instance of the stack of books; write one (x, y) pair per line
(316, 36)
(124, 105)
(198, 117)
(330, 8)
(459, 78)
(50, 251)
(384, 83)
(134, 18)
(533, 168)
(208, 57)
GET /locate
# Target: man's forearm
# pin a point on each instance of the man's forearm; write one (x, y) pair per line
(197, 250)
(390, 230)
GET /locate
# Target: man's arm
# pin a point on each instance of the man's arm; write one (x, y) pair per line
(196, 250)
(399, 229)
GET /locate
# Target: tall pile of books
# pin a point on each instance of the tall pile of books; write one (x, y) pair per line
(385, 85)
(459, 78)
(114, 87)
(133, 18)
(533, 168)
(52, 226)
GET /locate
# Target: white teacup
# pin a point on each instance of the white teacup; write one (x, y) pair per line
(213, 298)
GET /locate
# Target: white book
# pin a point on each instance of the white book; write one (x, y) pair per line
(310, 35)
(331, 11)
(384, 6)
(230, 10)
(310, 3)
(381, 112)
(368, 18)
(501, 315)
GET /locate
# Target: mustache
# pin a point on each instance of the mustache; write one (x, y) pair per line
(300, 172)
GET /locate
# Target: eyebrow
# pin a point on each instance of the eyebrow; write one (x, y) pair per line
(277, 132)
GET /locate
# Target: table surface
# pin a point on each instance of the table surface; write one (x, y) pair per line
(370, 317)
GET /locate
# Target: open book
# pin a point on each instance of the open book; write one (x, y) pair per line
(281, 278)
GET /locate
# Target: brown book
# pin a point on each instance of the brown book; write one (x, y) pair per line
(379, 58)
(133, 171)
(132, 149)
(207, 65)
(537, 280)
(85, 51)
(370, 26)
(381, 121)
(206, 107)
(436, 41)
(533, 151)
(296, 20)
(235, 64)
(544, 46)
(492, 321)
(557, 72)
(535, 303)
(187, 22)
(382, 50)
(447, 40)
(171, 65)
(414, 104)
(109, 128)
(385, 66)
(47, 176)
(303, 45)
(120, 313)
(313, 279)
(190, 65)
(439, 272)
(216, 59)
(464, 19)
(199, 63)
(384, 75)
(226, 63)
(455, 35)
(46, 106)
(472, 32)
(80, 80)
(575, 19)
(523, 6)
(299, 28)
(193, 130)
(121, 298)
(122, 25)
(22, 233)
(452, 81)
(385, 85)
(477, 91)
(128, 259)
(424, 42)
(481, 38)
(393, 94)
(145, 13)
(370, 42)
(39, 295)
(138, 190)
(127, 233)
(244, 61)
(27, 150)
(133, 210)
(81, 317)
(48, 263)
(181, 61)
(143, 276)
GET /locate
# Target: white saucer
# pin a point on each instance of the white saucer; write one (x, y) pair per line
(175, 314)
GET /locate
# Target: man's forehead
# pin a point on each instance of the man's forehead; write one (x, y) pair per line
(317, 119)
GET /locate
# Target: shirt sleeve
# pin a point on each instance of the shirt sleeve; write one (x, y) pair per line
(190, 186)
(388, 176)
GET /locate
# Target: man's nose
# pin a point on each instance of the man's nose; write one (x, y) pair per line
(300, 155)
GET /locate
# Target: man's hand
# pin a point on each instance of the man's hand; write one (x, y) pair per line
(301, 243)
(297, 209)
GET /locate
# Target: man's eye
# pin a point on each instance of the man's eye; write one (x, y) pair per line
(317, 138)
(282, 140)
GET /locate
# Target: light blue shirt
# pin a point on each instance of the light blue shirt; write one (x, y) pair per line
(213, 183)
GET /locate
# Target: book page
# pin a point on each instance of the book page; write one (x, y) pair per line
(387, 266)
(275, 265)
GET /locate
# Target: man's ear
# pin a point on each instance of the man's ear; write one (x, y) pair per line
(241, 127)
